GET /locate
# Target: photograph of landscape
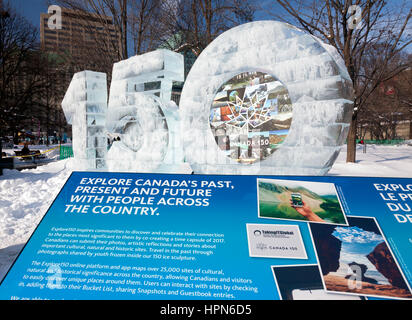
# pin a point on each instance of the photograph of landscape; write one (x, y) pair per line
(320, 202)
(357, 260)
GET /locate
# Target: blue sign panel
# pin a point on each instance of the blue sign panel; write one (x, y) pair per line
(159, 236)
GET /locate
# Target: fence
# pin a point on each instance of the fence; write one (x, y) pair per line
(388, 142)
(66, 152)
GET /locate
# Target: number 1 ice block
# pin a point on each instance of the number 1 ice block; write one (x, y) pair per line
(84, 106)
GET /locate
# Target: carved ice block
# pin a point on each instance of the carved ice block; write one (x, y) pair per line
(85, 105)
(265, 98)
(142, 116)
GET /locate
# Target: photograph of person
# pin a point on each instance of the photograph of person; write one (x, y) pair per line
(300, 200)
(357, 260)
(304, 282)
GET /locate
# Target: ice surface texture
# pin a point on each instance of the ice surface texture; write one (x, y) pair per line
(139, 112)
(141, 115)
(315, 76)
(84, 106)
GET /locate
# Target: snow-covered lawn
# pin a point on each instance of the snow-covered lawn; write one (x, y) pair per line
(25, 196)
(378, 161)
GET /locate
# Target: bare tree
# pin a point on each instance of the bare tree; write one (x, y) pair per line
(188, 26)
(18, 82)
(389, 108)
(46, 107)
(358, 29)
(144, 16)
(182, 26)
(193, 24)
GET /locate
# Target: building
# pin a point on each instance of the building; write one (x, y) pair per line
(80, 41)
(84, 39)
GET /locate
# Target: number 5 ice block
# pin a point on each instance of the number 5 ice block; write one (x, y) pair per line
(140, 121)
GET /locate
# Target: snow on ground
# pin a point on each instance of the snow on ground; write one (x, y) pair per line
(378, 161)
(25, 196)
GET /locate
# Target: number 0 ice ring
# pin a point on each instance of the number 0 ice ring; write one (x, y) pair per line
(266, 98)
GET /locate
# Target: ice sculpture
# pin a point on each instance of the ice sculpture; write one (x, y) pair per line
(265, 98)
(141, 116)
(84, 106)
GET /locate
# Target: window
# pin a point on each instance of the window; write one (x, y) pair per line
(152, 85)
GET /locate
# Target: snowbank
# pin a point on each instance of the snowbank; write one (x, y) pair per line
(24, 198)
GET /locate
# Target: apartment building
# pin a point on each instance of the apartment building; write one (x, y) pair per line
(83, 38)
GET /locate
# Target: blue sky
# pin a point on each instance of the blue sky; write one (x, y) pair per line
(30, 9)
(356, 245)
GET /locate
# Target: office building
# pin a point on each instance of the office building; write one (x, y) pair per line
(83, 39)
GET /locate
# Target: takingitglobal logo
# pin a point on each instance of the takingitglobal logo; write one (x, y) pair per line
(271, 233)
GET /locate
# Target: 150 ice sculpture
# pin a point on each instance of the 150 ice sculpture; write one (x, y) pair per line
(262, 98)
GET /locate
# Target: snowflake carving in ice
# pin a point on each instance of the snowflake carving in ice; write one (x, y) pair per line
(249, 112)
(249, 116)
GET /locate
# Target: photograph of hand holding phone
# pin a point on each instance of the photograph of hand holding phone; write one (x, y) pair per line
(300, 200)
